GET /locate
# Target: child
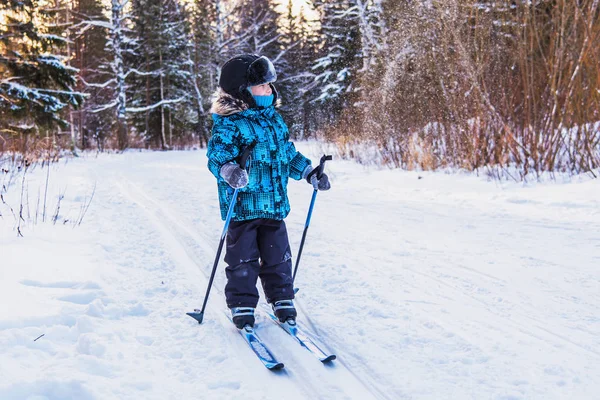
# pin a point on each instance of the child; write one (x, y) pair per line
(257, 242)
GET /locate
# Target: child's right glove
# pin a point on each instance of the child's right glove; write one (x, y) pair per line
(235, 176)
(311, 177)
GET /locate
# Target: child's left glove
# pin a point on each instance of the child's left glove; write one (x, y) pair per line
(235, 176)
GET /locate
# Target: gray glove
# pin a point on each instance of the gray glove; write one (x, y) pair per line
(310, 175)
(235, 176)
(320, 184)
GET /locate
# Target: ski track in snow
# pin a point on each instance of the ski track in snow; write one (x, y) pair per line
(303, 368)
(441, 287)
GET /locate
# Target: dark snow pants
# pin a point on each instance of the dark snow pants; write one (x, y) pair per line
(258, 248)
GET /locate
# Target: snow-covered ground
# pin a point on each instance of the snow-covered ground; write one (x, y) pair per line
(425, 285)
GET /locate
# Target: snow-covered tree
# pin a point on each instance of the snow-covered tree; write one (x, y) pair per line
(161, 86)
(207, 35)
(353, 33)
(89, 36)
(258, 27)
(36, 84)
(299, 39)
(216, 38)
(229, 40)
(196, 96)
(120, 45)
(335, 69)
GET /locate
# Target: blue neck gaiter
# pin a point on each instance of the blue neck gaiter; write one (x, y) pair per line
(263, 101)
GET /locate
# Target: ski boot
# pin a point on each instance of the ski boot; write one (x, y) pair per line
(285, 311)
(243, 316)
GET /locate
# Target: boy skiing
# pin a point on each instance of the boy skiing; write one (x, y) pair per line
(244, 116)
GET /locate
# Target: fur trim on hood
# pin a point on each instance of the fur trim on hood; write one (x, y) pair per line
(225, 104)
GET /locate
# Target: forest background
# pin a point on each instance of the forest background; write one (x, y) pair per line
(509, 86)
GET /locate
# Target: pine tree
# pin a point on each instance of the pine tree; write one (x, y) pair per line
(119, 45)
(336, 69)
(36, 85)
(92, 60)
(216, 38)
(196, 97)
(160, 90)
(300, 40)
(258, 26)
(116, 70)
(208, 28)
(354, 34)
(59, 24)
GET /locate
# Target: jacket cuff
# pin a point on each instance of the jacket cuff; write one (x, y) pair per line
(306, 171)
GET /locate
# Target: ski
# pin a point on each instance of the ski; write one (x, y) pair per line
(256, 345)
(304, 339)
(259, 348)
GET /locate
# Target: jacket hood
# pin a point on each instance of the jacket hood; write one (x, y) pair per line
(225, 104)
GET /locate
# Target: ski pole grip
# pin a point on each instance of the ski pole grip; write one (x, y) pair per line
(246, 155)
(322, 165)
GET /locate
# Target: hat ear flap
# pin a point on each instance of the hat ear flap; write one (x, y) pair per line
(261, 71)
(275, 93)
(246, 95)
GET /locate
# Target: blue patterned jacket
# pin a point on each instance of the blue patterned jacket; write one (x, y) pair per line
(274, 158)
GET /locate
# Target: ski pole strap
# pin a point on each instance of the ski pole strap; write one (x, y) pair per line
(243, 159)
(319, 170)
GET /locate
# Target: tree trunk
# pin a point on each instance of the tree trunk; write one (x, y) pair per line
(119, 70)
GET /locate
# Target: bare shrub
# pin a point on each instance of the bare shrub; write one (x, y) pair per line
(470, 84)
(16, 164)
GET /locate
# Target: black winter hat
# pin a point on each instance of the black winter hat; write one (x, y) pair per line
(243, 71)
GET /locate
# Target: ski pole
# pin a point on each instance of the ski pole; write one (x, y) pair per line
(198, 315)
(319, 173)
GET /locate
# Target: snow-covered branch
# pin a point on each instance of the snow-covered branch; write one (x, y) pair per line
(98, 85)
(156, 105)
(141, 73)
(105, 107)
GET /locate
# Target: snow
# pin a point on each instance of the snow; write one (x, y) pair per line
(426, 286)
